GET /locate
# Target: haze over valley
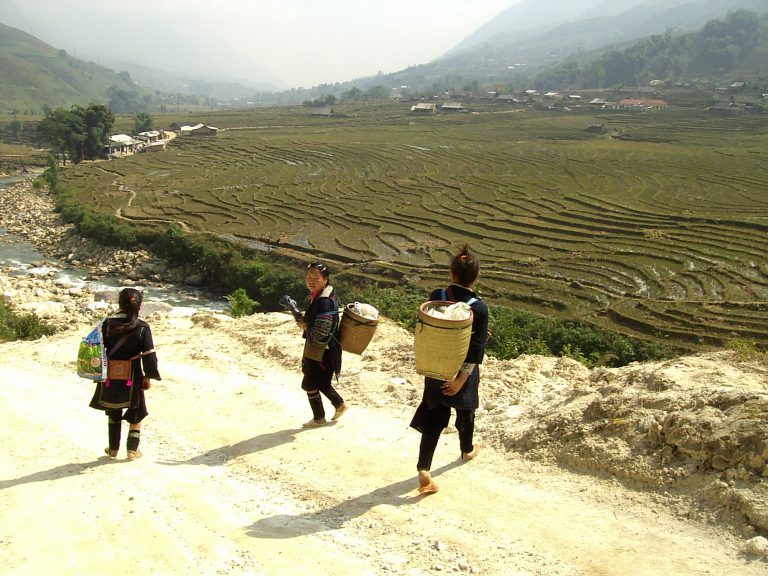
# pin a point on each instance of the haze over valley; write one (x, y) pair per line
(299, 50)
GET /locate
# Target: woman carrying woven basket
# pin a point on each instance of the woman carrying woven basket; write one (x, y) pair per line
(322, 352)
(461, 392)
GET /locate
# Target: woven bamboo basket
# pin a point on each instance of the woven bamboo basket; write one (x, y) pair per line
(440, 346)
(356, 331)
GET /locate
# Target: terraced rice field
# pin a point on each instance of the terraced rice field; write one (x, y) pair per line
(660, 232)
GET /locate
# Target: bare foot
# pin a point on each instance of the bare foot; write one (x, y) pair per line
(467, 456)
(426, 485)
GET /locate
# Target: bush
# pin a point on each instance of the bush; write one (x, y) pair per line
(217, 260)
(240, 304)
(748, 351)
(517, 332)
(268, 282)
(271, 287)
(51, 174)
(15, 326)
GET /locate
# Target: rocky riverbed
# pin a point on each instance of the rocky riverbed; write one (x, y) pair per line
(28, 213)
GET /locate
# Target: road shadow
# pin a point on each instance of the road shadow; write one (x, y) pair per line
(282, 526)
(223, 454)
(64, 471)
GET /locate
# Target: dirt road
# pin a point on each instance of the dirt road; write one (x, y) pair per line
(231, 484)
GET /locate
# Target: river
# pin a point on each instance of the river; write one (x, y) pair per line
(21, 257)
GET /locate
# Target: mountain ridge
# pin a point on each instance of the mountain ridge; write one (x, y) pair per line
(510, 49)
(38, 76)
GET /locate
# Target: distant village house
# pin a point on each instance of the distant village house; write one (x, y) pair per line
(152, 141)
(642, 104)
(453, 107)
(424, 108)
(508, 98)
(199, 130)
(326, 112)
(120, 145)
(601, 103)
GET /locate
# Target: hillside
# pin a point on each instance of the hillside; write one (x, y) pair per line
(733, 47)
(230, 483)
(531, 36)
(524, 40)
(35, 76)
(546, 27)
(643, 230)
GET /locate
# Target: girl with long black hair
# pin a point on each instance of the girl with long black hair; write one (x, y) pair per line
(131, 362)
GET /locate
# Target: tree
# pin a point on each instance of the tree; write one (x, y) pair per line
(324, 100)
(123, 101)
(377, 92)
(143, 122)
(98, 124)
(15, 128)
(353, 94)
(79, 133)
(62, 131)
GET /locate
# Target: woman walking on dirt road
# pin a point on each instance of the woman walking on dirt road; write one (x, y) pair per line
(321, 360)
(460, 393)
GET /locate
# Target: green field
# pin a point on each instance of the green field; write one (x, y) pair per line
(656, 227)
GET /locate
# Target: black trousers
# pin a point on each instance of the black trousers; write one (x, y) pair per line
(432, 422)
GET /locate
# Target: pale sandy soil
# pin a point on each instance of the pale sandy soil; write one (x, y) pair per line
(231, 484)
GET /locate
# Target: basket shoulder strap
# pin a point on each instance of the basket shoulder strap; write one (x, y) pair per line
(447, 296)
(329, 313)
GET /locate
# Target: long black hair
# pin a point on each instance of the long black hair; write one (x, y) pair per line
(129, 303)
(465, 266)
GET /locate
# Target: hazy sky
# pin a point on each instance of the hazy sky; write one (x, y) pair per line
(298, 43)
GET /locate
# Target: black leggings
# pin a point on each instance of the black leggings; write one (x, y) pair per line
(114, 428)
(114, 431)
(315, 401)
(465, 424)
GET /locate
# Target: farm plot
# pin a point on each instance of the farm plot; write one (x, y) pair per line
(661, 235)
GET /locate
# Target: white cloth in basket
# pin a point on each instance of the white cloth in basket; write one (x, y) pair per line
(365, 310)
(456, 311)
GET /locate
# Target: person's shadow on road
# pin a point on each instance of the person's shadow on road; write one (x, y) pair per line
(63, 471)
(290, 526)
(223, 454)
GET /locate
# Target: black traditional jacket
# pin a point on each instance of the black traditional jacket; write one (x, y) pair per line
(322, 326)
